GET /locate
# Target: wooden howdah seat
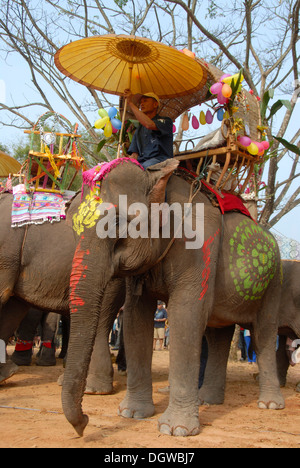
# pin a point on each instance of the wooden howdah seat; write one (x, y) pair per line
(226, 165)
(47, 170)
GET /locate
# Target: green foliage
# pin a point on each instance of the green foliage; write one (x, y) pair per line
(295, 149)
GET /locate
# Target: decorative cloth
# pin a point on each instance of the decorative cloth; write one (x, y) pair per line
(37, 208)
(100, 171)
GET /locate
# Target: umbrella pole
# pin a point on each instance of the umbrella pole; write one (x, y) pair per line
(125, 107)
(122, 127)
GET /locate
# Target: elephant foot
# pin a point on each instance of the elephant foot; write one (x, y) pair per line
(269, 400)
(46, 357)
(7, 370)
(181, 424)
(298, 387)
(210, 396)
(22, 358)
(95, 386)
(136, 409)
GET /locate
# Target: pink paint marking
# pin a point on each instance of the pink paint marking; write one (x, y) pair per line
(206, 258)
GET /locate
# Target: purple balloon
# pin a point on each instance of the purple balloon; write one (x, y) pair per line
(209, 117)
(195, 122)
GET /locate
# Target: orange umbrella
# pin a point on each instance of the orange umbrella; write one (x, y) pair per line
(113, 63)
(8, 165)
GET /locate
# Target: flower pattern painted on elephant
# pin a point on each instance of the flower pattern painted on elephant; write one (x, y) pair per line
(253, 260)
(87, 214)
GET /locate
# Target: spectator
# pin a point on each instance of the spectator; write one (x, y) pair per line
(160, 318)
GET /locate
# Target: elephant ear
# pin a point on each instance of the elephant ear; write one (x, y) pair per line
(159, 175)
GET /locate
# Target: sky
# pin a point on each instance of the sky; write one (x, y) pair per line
(15, 87)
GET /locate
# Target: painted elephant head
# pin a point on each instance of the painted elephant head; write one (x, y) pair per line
(112, 229)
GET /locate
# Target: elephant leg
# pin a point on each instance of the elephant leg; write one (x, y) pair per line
(213, 389)
(46, 356)
(10, 318)
(138, 322)
(265, 329)
(282, 360)
(25, 334)
(100, 376)
(188, 318)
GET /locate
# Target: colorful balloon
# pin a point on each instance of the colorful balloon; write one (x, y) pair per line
(235, 77)
(116, 123)
(185, 123)
(100, 123)
(108, 130)
(195, 122)
(244, 141)
(223, 77)
(265, 144)
(103, 113)
(209, 117)
(226, 91)
(220, 114)
(112, 112)
(108, 121)
(252, 148)
(222, 99)
(202, 118)
(216, 88)
(174, 128)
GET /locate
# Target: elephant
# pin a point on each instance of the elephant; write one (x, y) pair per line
(234, 276)
(35, 266)
(289, 316)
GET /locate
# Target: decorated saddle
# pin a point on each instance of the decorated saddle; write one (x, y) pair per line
(38, 207)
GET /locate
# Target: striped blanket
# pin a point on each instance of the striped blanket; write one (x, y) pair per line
(37, 208)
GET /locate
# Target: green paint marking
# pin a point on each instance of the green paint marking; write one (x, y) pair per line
(252, 261)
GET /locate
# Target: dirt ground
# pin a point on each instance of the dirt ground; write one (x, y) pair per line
(31, 414)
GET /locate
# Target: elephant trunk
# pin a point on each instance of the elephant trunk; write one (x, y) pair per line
(89, 278)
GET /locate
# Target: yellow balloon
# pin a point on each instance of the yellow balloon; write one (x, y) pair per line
(253, 149)
(202, 118)
(100, 123)
(103, 113)
(108, 130)
(235, 77)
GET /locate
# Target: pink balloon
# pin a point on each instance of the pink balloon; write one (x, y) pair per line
(259, 146)
(244, 141)
(216, 88)
(222, 99)
(195, 122)
(265, 144)
(174, 129)
(224, 76)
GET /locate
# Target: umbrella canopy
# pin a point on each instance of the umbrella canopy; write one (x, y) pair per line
(113, 63)
(8, 165)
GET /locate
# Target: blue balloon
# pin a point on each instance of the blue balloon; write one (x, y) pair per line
(117, 124)
(220, 114)
(112, 112)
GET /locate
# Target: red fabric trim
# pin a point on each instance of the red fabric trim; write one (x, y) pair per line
(47, 344)
(23, 345)
(227, 201)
